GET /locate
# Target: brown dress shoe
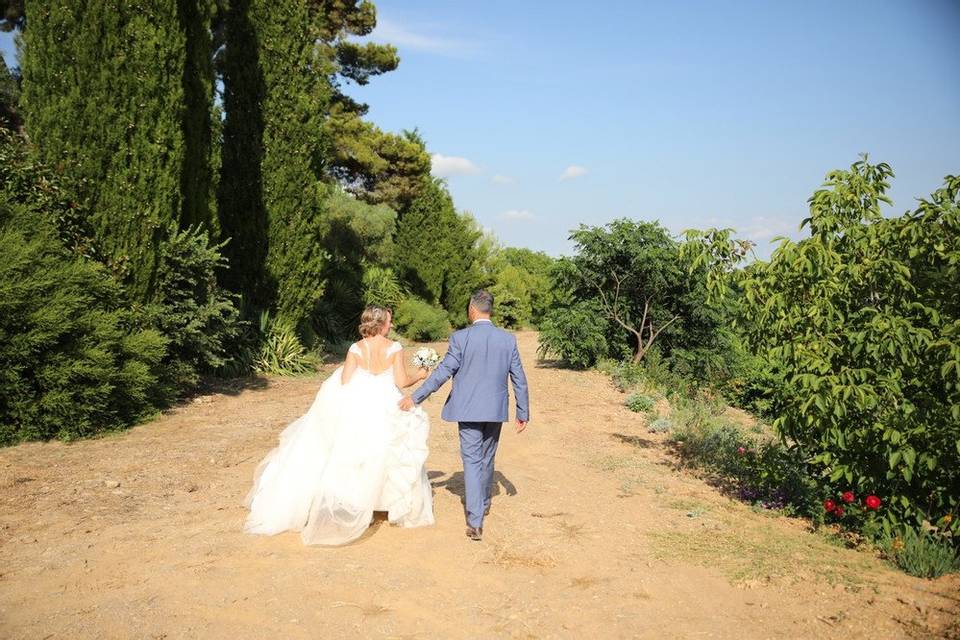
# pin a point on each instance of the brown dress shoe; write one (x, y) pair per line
(475, 534)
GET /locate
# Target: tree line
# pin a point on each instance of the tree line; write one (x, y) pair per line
(213, 202)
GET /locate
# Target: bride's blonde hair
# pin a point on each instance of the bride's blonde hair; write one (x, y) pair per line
(373, 319)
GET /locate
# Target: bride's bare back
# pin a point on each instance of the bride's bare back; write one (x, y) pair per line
(376, 355)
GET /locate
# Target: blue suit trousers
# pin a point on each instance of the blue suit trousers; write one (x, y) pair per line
(478, 446)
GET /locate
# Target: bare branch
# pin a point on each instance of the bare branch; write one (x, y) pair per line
(654, 334)
(611, 309)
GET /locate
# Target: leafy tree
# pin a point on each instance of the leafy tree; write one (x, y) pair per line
(511, 294)
(634, 273)
(104, 90)
(534, 269)
(864, 318)
(339, 21)
(463, 258)
(861, 320)
(577, 334)
(378, 167)
(288, 125)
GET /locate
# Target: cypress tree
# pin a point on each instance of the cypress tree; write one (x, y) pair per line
(437, 249)
(270, 197)
(199, 117)
(113, 93)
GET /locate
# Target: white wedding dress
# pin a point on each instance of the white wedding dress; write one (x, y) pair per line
(354, 452)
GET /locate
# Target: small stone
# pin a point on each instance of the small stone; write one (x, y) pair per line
(112, 484)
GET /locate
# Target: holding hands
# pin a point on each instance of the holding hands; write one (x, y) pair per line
(406, 403)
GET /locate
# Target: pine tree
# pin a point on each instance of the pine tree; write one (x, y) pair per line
(113, 93)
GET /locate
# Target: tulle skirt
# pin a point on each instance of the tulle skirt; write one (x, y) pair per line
(354, 452)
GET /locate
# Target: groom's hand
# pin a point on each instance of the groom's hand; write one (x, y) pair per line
(406, 403)
(521, 425)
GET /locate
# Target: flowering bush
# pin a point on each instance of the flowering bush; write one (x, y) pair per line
(759, 470)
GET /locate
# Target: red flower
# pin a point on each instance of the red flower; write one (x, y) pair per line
(847, 497)
(829, 505)
(838, 512)
(872, 502)
(741, 450)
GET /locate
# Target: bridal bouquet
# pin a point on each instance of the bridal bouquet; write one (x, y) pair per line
(425, 357)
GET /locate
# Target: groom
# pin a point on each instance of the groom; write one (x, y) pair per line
(480, 358)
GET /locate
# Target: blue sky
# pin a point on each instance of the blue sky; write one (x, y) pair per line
(545, 115)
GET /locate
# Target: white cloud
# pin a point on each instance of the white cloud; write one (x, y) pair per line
(517, 214)
(765, 228)
(498, 179)
(445, 166)
(573, 171)
(390, 32)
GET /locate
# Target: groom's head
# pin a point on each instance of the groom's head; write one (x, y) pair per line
(481, 305)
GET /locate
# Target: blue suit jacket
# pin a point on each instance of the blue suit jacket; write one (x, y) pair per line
(480, 359)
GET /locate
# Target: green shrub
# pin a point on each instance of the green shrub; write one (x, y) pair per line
(421, 322)
(921, 554)
(660, 425)
(751, 383)
(576, 335)
(627, 375)
(863, 318)
(72, 360)
(199, 318)
(639, 403)
(655, 371)
(42, 197)
(512, 295)
(382, 286)
(757, 469)
(281, 352)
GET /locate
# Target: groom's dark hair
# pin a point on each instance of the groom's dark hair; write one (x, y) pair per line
(482, 301)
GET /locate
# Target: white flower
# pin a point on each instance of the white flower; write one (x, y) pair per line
(425, 357)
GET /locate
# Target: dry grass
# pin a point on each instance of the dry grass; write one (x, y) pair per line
(511, 557)
(764, 553)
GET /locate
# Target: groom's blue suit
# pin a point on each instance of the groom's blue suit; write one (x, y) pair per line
(480, 359)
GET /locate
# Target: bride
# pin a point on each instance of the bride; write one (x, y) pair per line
(354, 451)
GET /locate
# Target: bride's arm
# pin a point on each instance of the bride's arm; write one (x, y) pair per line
(349, 367)
(400, 377)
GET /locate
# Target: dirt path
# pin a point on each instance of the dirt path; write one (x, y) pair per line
(593, 534)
